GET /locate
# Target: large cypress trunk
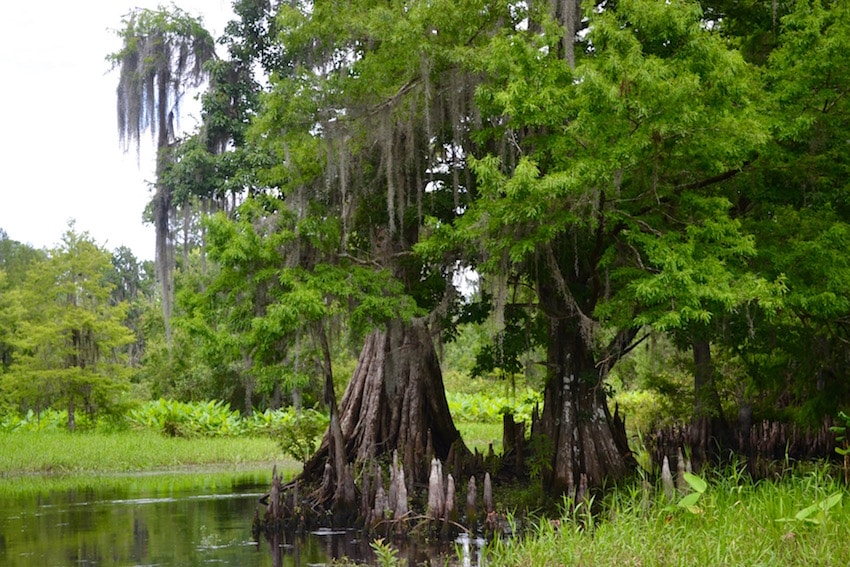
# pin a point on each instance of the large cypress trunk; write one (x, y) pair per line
(395, 401)
(585, 439)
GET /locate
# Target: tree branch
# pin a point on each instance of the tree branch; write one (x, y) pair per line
(712, 180)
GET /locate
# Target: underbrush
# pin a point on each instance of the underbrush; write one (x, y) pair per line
(137, 440)
(729, 520)
(486, 407)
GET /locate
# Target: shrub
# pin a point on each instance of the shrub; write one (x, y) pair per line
(53, 420)
(483, 407)
(180, 419)
(299, 433)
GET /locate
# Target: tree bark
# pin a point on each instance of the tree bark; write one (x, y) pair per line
(72, 420)
(708, 411)
(162, 208)
(575, 416)
(394, 401)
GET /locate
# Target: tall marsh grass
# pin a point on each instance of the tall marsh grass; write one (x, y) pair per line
(61, 452)
(799, 520)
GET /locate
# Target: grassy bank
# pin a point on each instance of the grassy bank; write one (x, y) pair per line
(148, 483)
(59, 452)
(803, 520)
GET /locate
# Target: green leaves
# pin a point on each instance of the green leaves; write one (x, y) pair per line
(69, 333)
(689, 501)
(623, 169)
(695, 274)
(489, 408)
(818, 512)
(178, 419)
(297, 431)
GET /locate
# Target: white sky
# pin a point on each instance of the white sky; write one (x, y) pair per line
(59, 152)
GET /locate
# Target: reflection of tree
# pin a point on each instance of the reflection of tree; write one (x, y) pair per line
(129, 521)
(140, 538)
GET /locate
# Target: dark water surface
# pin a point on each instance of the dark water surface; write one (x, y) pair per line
(168, 520)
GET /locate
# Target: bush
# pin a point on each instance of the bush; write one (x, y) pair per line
(55, 420)
(483, 407)
(47, 420)
(179, 419)
(297, 433)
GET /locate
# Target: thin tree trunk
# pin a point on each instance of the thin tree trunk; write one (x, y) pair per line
(162, 207)
(706, 398)
(187, 212)
(205, 210)
(72, 420)
(330, 401)
(708, 419)
(248, 382)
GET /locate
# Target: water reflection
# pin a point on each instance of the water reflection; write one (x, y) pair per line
(175, 520)
(289, 550)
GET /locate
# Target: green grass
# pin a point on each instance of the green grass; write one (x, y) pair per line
(481, 435)
(59, 452)
(149, 483)
(735, 522)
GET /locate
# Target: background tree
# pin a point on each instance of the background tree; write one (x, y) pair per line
(133, 285)
(69, 339)
(796, 204)
(163, 53)
(15, 259)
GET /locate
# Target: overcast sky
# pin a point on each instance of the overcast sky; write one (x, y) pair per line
(59, 152)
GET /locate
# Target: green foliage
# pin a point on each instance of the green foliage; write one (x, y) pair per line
(817, 512)
(70, 334)
(178, 419)
(54, 420)
(385, 554)
(841, 433)
(689, 501)
(256, 319)
(539, 461)
(100, 452)
(742, 522)
(47, 420)
(481, 436)
(297, 432)
(485, 407)
(653, 386)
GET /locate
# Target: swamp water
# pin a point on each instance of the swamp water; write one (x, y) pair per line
(174, 519)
